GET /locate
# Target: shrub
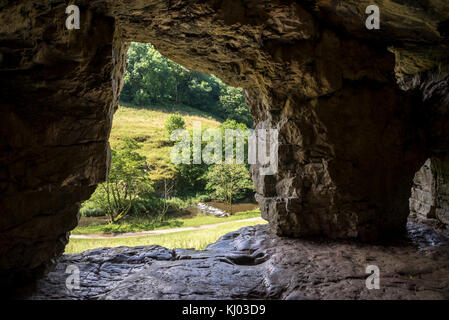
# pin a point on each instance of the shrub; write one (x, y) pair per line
(229, 181)
(175, 121)
(177, 204)
(92, 212)
(147, 206)
(152, 78)
(204, 198)
(128, 179)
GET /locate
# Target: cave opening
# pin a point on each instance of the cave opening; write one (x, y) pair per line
(145, 192)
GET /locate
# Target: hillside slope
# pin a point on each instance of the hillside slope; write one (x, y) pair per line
(147, 126)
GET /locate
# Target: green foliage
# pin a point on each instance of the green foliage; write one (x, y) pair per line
(92, 212)
(130, 191)
(231, 100)
(229, 181)
(127, 180)
(177, 204)
(233, 124)
(192, 177)
(152, 78)
(241, 130)
(174, 121)
(204, 198)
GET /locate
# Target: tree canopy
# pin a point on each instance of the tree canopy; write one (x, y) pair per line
(151, 78)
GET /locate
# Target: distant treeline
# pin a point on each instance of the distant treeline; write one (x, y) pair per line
(152, 78)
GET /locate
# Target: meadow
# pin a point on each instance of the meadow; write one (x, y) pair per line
(136, 224)
(196, 239)
(147, 126)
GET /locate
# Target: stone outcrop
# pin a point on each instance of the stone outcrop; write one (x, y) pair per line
(253, 263)
(430, 191)
(350, 139)
(422, 200)
(210, 210)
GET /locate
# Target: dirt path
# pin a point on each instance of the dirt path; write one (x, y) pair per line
(162, 231)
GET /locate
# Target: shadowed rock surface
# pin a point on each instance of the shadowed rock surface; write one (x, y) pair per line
(430, 193)
(350, 138)
(253, 263)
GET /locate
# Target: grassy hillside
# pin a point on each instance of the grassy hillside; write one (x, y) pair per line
(147, 125)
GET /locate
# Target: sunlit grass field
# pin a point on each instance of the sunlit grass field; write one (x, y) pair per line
(147, 125)
(145, 224)
(197, 239)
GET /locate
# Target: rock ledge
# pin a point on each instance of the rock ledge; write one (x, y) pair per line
(253, 263)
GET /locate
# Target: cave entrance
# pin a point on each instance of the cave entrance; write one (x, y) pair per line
(145, 191)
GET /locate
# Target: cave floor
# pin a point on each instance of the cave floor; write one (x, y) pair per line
(253, 263)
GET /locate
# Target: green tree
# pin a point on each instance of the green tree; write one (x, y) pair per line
(232, 102)
(174, 121)
(228, 182)
(127, 180)
(233, 124)
(191, 177)
(151, 78)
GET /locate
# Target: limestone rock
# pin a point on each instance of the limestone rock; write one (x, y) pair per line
(253, 263)
(422, 200)
(210, 210)
(430, 193)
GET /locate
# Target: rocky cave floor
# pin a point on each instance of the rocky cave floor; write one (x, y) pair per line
(253, 263)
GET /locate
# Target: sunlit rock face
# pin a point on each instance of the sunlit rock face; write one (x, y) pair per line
(430, 191)
(350, 139)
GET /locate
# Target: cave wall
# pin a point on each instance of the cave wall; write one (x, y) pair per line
(430, 192)
(59, 92)
(350, 138)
